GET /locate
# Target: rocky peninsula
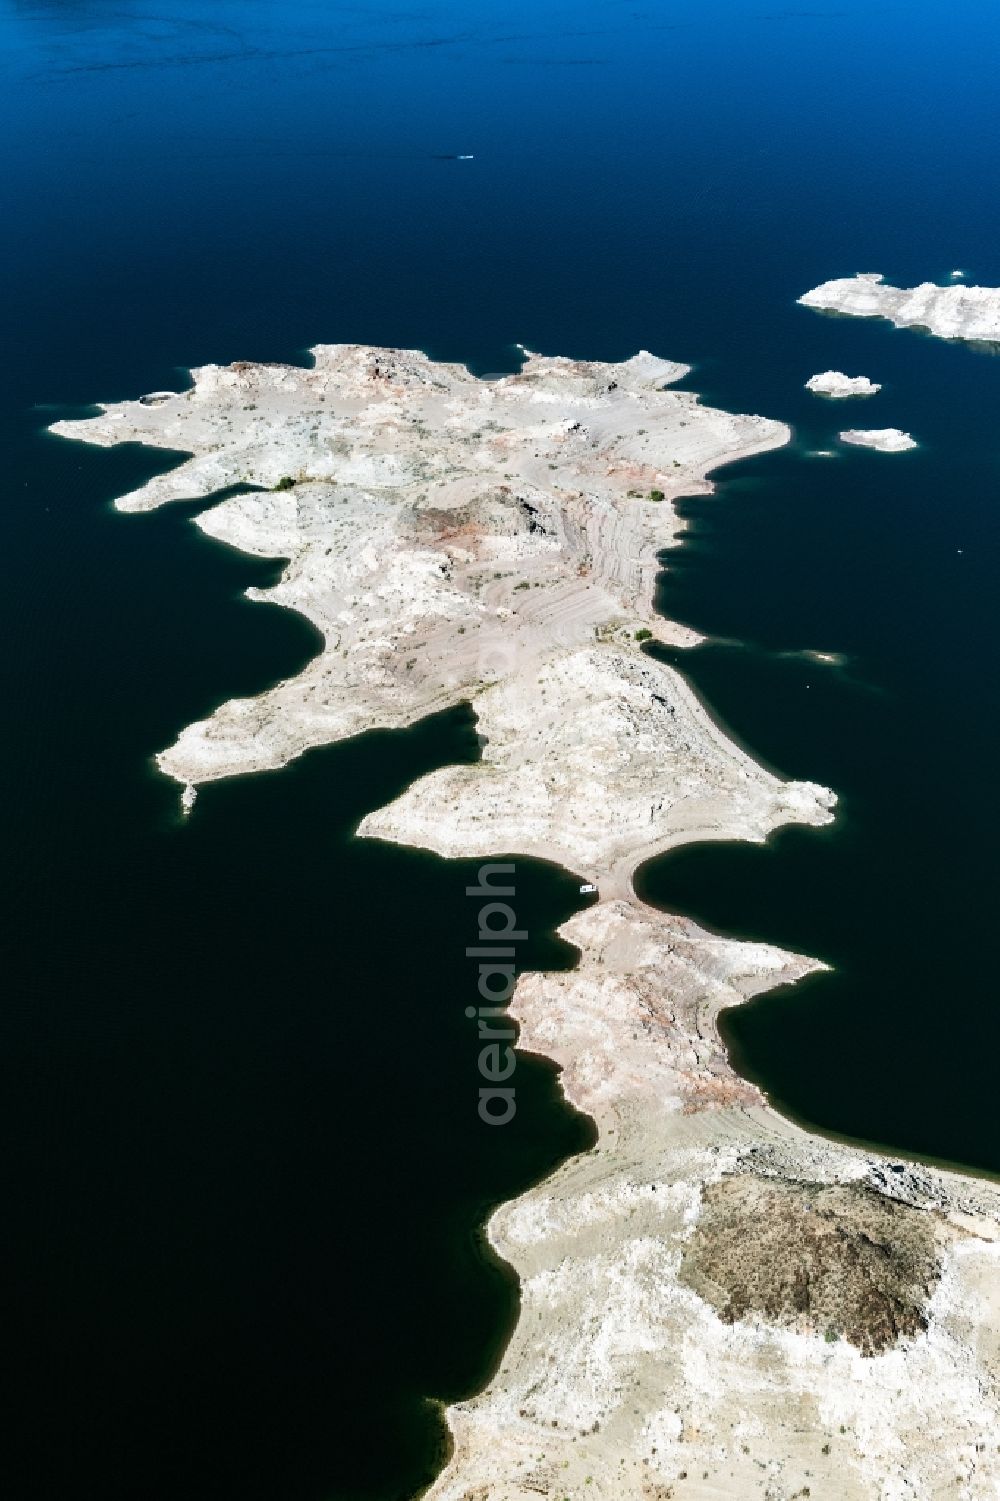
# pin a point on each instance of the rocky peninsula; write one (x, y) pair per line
(839, 387)
(953, 312)
(715, 1303)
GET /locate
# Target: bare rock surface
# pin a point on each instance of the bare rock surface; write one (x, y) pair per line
(442, 532)
(953, 312)
(497, 541)
(882, 439)
(686, 1329)
(838, 386)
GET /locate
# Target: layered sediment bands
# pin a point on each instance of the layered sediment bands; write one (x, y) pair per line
(954, 312)
(496, 541)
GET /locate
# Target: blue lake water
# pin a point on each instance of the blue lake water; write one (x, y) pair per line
(241, 1172)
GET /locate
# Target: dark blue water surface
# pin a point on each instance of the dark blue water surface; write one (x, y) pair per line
(242, 1168)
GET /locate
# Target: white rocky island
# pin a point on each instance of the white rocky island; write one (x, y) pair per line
(882, 439)
(953, 312)
(714, 1302)
(839, 387)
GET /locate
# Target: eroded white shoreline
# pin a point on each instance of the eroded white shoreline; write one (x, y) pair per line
(837, 386)
(953, 312)
(881, 439)
(455, 539)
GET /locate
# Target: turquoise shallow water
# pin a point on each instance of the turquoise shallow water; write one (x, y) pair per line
(241, 1169)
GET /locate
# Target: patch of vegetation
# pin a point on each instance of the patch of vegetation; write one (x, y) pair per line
(285, 483)
(838, 1260)
(644, 635)
(657, 495)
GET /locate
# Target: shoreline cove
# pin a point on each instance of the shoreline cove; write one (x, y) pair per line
(497, 542)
